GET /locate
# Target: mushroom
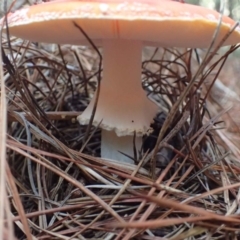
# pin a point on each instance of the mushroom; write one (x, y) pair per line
(122, 28)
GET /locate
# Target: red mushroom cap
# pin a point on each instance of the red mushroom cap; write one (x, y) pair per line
(163, 23)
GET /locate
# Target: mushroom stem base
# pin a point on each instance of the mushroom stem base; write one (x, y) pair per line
(112, 146)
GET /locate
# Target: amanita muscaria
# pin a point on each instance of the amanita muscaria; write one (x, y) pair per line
(122, 29)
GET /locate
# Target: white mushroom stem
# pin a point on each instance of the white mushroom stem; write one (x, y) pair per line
(123, 105)
(113, 146)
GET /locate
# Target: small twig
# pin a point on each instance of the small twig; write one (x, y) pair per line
(50, 115)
